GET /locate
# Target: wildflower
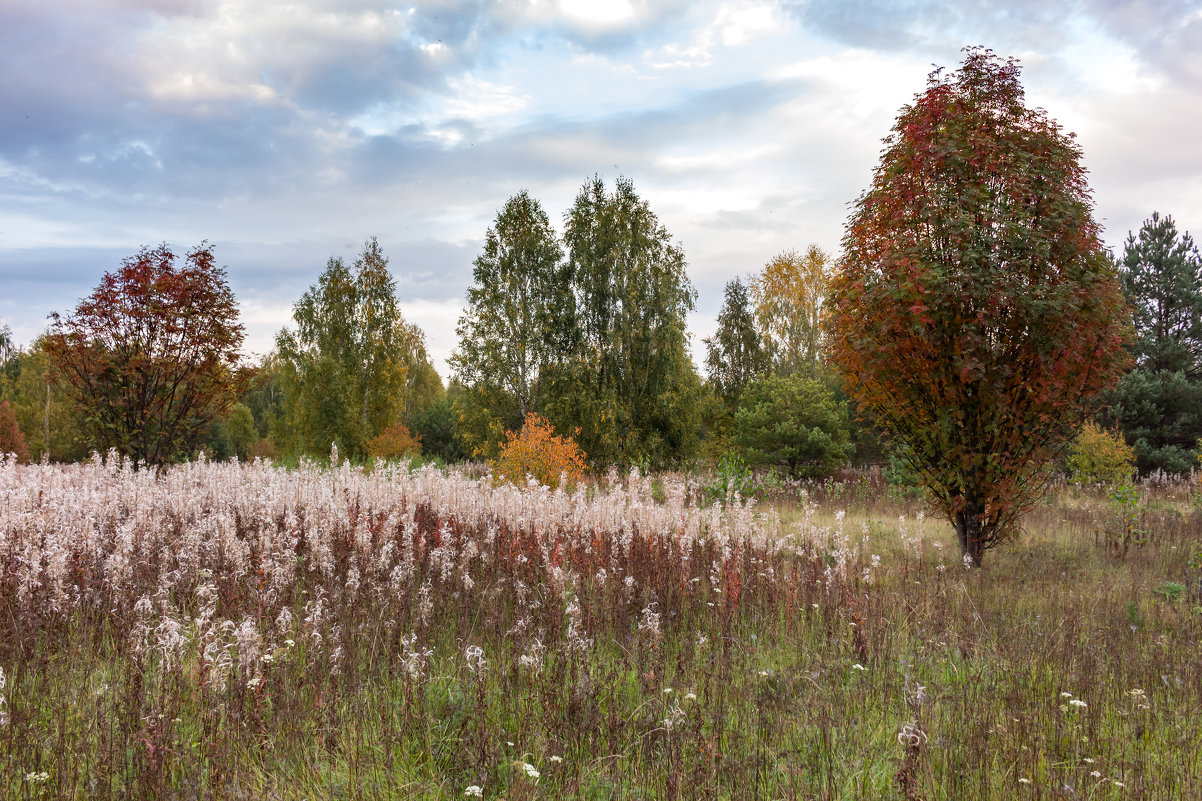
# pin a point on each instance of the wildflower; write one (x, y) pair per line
(475, 659)
(1066, 695)
(1077, 702)
(667, 691)
(690, 696)
(1119, 784)
(254, 682)
(858, 666)
(474, 791)
(531, 772)
(1024, 780)
(911, 735)
(1096, 774)
(555, 759)
(37, 778)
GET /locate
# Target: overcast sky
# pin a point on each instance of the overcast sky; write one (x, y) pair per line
(286, 133)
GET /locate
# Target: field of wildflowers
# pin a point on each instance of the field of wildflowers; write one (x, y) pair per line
(244, 631)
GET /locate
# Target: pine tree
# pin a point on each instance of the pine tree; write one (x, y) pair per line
(1158, 405)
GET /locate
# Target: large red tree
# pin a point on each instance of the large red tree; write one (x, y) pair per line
(152, 354)
(975, 311)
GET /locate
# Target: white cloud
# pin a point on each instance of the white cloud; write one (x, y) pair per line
(730, 27)
(598, 14)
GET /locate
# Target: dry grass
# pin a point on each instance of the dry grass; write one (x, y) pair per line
(244, 631)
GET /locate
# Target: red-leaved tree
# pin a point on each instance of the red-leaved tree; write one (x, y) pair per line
(975, 311)
(11, 439)
(152, 354)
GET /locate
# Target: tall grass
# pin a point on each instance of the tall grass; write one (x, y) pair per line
(241, 631)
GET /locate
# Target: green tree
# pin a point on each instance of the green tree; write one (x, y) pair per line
(735, 355)
(8, 353)
(347, 370)
(240, 430)
(975, 311)
(436, 423)
(152, 354)
(51, 421)
(1158, 405)
(1162, 279)
(514, 325)
(630, 388)
(793, 422)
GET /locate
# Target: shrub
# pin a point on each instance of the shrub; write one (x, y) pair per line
(1098, 456)
(263, 449)
(11, 438)
(537, 452)
(394, 442)
(793, 422)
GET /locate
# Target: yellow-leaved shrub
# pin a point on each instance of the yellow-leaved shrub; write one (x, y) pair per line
(537, 452)
(394, 442)
(1098, 456)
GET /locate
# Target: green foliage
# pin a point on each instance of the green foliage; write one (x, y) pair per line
(735, 354)
(795, 423)
(152, 354)
(264, 395)
(975, 312)
(596, 344)
(1171, 591)
(9, 367)
(1158, 405)
(435, 424)
(1125, 526)
(1160, 413)
(516, 321)
(631, 386)
(347, 371)
(51, 421)
(733, 476)
(1162, 278)
(240, 430)
(1098, 456)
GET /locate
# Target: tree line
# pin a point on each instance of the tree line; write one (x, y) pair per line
(971, 323)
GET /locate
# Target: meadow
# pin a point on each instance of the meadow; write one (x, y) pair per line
(245, 631)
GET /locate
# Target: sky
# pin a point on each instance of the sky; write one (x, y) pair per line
(287, 133)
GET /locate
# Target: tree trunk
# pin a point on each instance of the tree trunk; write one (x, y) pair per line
(971, 534)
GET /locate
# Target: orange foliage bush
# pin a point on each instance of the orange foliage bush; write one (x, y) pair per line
(394, 442)
(263, 449)
(537, 452)
(11, 438)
